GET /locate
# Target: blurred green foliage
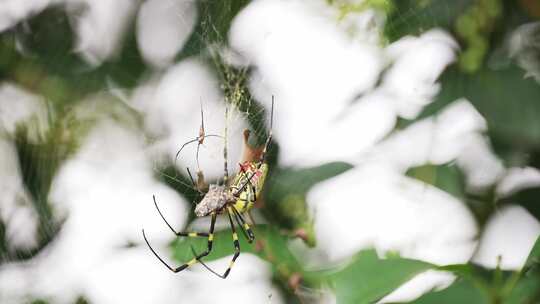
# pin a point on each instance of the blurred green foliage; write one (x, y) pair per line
(474, 27)
(492, 82)
(446, 177)
(367, 278)
(348, 7)
(286, 196)
(507, 101)
(479, 285)
(271, 245)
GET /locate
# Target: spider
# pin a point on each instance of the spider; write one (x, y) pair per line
(235, 198)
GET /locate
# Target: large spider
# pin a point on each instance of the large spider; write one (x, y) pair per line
(234, 198)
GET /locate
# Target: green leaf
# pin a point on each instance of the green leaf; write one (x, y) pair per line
(462, 270)
(462, 291)
(476, 284)
(533, 261)
(507, 101)
(50, 67)
(368, 278)
(270, 245)
(301, 180)
(412, 17)
(527, 290)
(449, 178)
(528, 198)
(446, 177)
(286, 195)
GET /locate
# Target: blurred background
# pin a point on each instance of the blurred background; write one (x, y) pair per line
(403, 166)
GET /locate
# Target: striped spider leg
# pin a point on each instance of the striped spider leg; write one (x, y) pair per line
(209, 236)
(246, 186)
(233, 198)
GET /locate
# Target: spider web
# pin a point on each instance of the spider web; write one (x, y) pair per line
(38, 163)
(233, 82)
(240, 109)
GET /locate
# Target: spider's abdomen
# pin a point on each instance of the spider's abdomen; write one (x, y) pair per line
(216, 197)
(252, 176)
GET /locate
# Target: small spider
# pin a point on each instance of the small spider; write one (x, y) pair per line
(234, 198)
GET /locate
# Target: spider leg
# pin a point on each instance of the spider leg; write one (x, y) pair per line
(195, 186)
(193, 261)
(180, 233)
(198, 139)
(236, 248)
(253, 192)
(251, 196)
(210, 237)
(200, 185)
(178, 269)
(226, 171)
(191, 178)
(185, 144)
(197, 156)
(242, 229)
(236, 243)
(201, 130)
(246, 229)
(269, 138)
(247, 182)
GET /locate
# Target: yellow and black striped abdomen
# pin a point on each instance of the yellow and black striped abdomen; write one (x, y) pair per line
(251, 180)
